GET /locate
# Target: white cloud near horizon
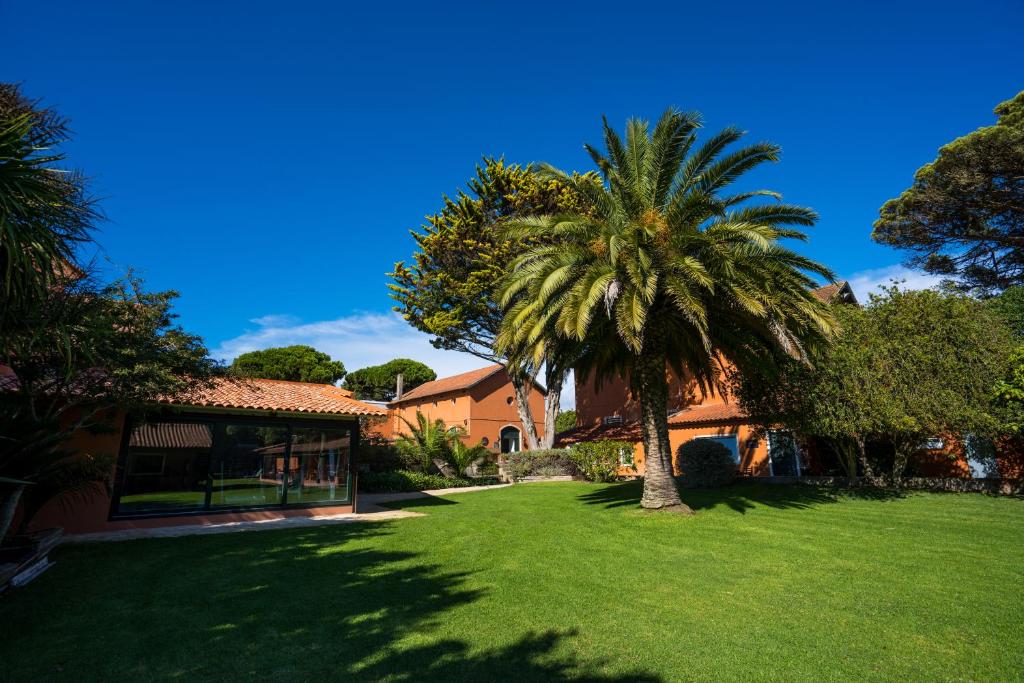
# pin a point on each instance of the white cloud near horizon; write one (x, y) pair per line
(865, 282)
(358, 340)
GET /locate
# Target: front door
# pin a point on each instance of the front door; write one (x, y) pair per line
(509, 440)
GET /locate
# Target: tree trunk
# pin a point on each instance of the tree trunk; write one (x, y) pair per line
(522, 384)
(554, 378)
(7, 510)
(660, 489)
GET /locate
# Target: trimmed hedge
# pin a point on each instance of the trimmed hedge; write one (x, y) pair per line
(600, 460)
(400, 481)
(553, 462)
(705, 463)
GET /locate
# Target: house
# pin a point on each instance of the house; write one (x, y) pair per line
(482, 402)
(612, 411)
(240, 450)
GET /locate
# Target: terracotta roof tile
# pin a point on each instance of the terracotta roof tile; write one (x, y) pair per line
(698, 415)
(171, 435)
(448, 384)
(836, 290)
(276, 395)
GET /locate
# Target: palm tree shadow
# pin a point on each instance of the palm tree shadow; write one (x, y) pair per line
(742, 496)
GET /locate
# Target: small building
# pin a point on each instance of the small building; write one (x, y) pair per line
(240, 450)
(481, 402)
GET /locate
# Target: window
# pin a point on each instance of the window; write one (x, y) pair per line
(174, 467)
(933, 444)
(783, 454)
(626, 457)
(730, 441)
(611, 420)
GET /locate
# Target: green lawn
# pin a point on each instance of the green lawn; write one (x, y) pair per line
(547, 582)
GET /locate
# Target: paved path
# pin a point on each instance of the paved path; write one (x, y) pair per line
(369, 510)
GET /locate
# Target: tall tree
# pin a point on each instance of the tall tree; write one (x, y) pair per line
(45, 209)
(298, 363)
(378, 382)
(908, 366)
(450, 289)
(665, 269)
(964, 214)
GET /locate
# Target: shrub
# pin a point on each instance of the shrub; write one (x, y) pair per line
(705, 463)
(400, 481)
(600, 460)
(541, 463)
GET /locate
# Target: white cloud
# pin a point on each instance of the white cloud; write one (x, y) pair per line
(865, 282)
(358, 340)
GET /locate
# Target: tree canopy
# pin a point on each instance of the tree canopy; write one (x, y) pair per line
(908, 366)
(964, 214)
(298, 363)
(378, 382)
(450, 289)
(665, 267)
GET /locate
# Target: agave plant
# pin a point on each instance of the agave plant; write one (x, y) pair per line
(665, 268)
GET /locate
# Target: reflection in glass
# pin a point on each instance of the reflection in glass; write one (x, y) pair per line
(166, 468)
(250, 471)
(318, 468)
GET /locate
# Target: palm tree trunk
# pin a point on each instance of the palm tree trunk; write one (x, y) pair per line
(522, 385)
(554, 379)
(660, 489)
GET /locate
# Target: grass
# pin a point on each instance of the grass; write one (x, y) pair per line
(550, 582)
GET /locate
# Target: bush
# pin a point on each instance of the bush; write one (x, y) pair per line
(541, 463)
(600, 460)
(705, 463)
(400, 481)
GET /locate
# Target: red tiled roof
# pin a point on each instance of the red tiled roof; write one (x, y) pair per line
(446, 385)
(262, 394)
(836, 290)
(276, 395)
(699, 415)
(630, 431)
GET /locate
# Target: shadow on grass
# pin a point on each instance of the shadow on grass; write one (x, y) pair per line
(321, 603)
(413, 503)
(741, 496)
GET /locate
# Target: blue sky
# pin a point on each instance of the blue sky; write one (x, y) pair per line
(267, 159)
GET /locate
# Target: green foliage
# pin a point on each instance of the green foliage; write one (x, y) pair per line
(565, 421)
(554, 462)
(377, 382)
(299, 363)
(405, 480)
(460, 456)
(1009, 393)
(450, 289)
(600, 460)
(964, 214)
(908, 366)
(665, 267)
(82, 353)
(45, 210)
(705, 463)
(427, 443)
(1009, 306)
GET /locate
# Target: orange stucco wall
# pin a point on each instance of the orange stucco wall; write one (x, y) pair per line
(753, 450)
(483, 410)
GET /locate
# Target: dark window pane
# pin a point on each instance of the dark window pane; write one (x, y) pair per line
(318, 470)
(166, 468)
(250, 471)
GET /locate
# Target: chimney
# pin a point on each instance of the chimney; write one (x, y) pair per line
(399, 386)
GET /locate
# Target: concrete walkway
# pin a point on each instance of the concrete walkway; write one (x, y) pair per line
(369, 509)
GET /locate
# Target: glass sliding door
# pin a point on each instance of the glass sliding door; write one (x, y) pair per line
(165, 468)
(319, 466)
(250, 469)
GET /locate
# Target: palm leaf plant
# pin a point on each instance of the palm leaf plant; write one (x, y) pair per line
(427, 443)
(461, 456)
(665, 268)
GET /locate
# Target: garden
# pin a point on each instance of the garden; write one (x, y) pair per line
(546, 582)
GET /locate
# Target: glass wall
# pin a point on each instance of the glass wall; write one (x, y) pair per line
(222, 464)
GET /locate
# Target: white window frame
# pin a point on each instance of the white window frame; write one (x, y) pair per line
(734, 437)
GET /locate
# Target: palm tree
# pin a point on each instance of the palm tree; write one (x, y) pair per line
(427, 443)
(666, 269)
(461, 456)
